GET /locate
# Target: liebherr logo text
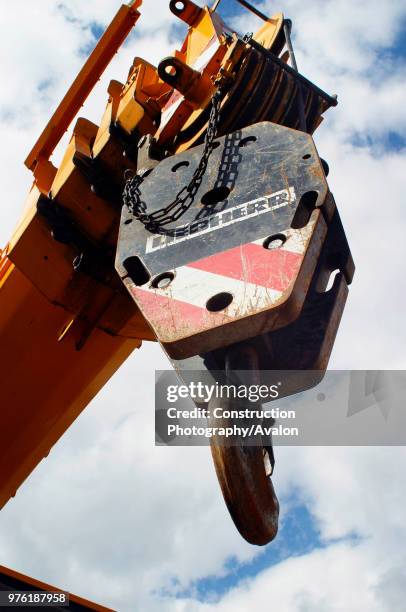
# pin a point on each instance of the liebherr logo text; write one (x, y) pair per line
(267, 203)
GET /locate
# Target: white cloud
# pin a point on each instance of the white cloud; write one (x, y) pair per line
(349, 491)
(110, 516)
(330, 580)
(107, 501)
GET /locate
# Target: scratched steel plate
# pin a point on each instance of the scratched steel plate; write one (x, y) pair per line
(210, 278)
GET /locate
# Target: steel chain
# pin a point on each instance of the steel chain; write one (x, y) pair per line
(132, 198)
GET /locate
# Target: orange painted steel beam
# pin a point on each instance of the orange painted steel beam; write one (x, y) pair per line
(87, 78)
(14, 581)
(44, 383)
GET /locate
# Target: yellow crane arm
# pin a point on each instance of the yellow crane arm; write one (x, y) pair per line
(87, 78)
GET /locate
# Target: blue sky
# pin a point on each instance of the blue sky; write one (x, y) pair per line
(298, 535)
(142, 528)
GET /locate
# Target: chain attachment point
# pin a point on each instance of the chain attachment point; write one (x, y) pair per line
(184, 199)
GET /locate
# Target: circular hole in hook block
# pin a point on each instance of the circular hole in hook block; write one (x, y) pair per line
(274, 242)
(215, 144)
(128, 221)
(307, 156)
(179, 165)
(216, 195)
(162, 281)
(245, 142)
(220, 301)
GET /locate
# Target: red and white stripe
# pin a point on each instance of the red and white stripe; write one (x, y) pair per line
(258, 279)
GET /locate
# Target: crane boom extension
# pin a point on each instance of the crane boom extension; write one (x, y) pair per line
(84, 83)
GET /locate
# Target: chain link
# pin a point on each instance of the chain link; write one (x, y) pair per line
(132, 198)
